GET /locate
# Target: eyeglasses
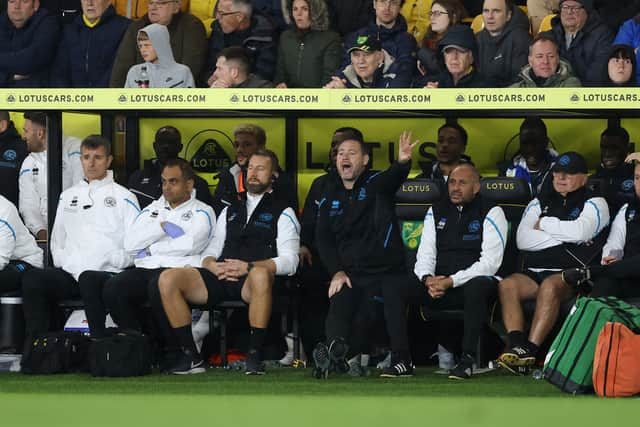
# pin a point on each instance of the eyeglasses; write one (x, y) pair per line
(436, 13)
(389, 2)
(158, 3)
(571, 9)
(220, 14)
(624, 61)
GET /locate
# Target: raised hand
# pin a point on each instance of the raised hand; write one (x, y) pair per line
(405, 146)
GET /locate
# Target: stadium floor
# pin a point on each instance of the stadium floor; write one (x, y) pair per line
(291, 397)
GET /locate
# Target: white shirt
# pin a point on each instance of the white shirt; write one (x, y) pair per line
(287, 241)
(92, 220)
(16, 243)
(617, 235)
(33, 182)
(494, 240)
(196, 219)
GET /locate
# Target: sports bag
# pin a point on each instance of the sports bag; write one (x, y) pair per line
(616, 366)
(124, 354)
(56, 353)
(569, 362)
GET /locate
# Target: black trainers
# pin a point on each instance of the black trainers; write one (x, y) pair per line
(464, 369)
(254, 365)
(575, 277)
(338, 355)
(187, 363)
(398, 368)
(517, 356)
(321, 361)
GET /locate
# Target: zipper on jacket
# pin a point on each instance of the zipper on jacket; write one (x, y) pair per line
(300, 51)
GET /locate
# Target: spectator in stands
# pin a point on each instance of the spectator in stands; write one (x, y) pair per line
(170, 232)
(584, 40)
(19, 252)
(629, 34)
(503, 43)
(186, 32)
(545, 67)
(617, 274)
(28, 40)
(534, 159)
(92, 220)
(371, 68)
(390, 28)
(89, 45)
(618, 175)
(459, 49)
(13, 151)
(32, 181)
(359, 243)
(272, 10)
(348, 16)
(444, 14)
(622, 68)
(312, 65)
(257, 238)
(233, 69)
(159, 69)
(538, 9)
(146, 183)
(248, 138)
(461, 250)
(237, 25)
(452, 141)
(567, 219)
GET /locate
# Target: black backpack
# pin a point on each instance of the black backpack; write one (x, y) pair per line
(56, 353)
(124, 354)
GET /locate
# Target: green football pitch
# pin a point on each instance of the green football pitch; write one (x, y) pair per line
(286, 397)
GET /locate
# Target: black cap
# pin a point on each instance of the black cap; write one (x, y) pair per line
(366, 43)
(587, 4)
(459, 37)
(571, 163)
(168, 135)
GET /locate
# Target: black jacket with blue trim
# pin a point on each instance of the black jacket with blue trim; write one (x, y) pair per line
(357, 230)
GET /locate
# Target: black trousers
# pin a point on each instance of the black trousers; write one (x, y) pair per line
(474, 297)
(620, 279)
(41, 291)
(11, 275)
(352, 311)
(91, 289)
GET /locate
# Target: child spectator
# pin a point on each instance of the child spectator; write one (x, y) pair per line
(159, 68)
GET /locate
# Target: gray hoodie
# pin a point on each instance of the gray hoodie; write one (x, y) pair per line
(167, 72)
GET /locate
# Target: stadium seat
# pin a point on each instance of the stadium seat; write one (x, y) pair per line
(477, 24)
(545, 25)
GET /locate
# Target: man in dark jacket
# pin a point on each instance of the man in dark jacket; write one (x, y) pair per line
(391, 29)
(233, 69)
(13, 151)
(459, 49)
(452, 141)
(237, 25)
(503, 44)
(88, 48)
(359, 243)
(584, 40)
(188, 40)
(28, 41)
(146, 184)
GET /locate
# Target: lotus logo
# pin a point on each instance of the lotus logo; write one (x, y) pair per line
(575, 98)
(122, 99)
(346, 99)
(234, 98)
(210, 155)
(11, 99)
(460, 98)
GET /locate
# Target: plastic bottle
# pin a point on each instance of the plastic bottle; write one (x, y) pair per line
(144, 78)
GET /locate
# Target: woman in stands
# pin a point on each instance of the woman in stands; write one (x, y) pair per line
(622, 66)
(309, 53)
(444, 14)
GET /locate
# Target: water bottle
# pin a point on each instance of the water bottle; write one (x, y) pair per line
(143, 83)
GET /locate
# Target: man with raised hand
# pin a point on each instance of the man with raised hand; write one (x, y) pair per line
(257, 237)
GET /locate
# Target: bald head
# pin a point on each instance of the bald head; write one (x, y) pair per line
(463, 184)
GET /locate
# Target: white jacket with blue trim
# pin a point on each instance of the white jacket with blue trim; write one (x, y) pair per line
(16, 243)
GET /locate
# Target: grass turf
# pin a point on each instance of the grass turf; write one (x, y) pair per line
(292, 397)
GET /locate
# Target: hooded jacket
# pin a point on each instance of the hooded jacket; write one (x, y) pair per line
(91, 222)
(399, 44)
(308, 59)
(387, 75)
(28, 51)
(16, 243)
(500, 58)
(188, 43)
(629, 34)
(589, 51)
(166, 72)
(86, 55)
(562, 78)
(13, 151)
(196, 219)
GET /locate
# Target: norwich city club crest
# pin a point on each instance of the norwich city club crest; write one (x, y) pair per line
(411, 232)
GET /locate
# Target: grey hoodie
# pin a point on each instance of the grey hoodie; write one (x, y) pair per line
(167, 72)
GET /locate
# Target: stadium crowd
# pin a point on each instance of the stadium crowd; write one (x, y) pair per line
(318, 43)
